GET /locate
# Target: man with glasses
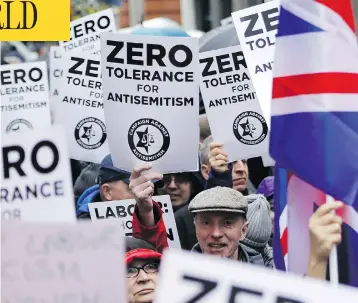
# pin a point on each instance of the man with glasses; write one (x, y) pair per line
(142, 262)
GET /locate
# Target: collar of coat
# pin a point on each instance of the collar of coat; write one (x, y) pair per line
(242, 257)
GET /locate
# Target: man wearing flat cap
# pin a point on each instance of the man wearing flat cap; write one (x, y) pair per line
(220, 223)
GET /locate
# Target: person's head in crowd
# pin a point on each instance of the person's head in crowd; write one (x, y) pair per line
(220, 221)
(86, 179)
(114, 182)
(181, 187)
(204, 127)
(204, 152)
(258, 216)
(142, 261)
(219, 162)
(240, 175)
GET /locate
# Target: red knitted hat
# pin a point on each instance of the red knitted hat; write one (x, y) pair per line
(142, 254)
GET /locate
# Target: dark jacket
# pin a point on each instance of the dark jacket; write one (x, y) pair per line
(90, 195)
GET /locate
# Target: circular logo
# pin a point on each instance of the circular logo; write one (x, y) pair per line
(148, 139)
(18, 125)
(250, 128)
(90, 133)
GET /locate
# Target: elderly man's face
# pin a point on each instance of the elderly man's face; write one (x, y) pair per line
(142, 287)
(218, 233)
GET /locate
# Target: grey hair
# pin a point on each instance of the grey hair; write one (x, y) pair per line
(205, 150)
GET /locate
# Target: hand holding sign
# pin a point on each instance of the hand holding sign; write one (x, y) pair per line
(218, 159)
(325, 232)
(142, 188)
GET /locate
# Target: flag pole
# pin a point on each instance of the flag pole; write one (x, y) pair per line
(333, 257)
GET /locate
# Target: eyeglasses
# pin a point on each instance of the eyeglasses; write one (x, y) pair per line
(149, 268)
(178, 178)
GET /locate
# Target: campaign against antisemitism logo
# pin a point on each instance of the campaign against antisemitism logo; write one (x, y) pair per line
(18, 125)
(34, 20)
(90, 133)
(250, 128)
(148, 139)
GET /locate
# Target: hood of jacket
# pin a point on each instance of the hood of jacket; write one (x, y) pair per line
(90, 195)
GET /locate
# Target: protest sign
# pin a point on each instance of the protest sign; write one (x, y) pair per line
(151, 92)
(123, 211)
(85, 32)
(233, 111)
(80, 107)
(210, 279)
(62, 263)
(24, 97)
(256, 28)
(36, 183)
(56, 73)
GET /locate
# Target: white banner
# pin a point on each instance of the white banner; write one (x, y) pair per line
(85, 32)
(256, 28)
(123, 211)
(233, 111)
(202, 278)
(56, 73)
(62, 263)
(36, 182)
(151, 93)
(24, 97)
(80, 107)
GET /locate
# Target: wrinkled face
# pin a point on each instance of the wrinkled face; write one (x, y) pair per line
(141, 288)
(219, 233)
(178, 187)
(116, 190)
(240, 175)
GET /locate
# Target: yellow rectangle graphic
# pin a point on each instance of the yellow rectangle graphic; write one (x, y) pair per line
(34, 20)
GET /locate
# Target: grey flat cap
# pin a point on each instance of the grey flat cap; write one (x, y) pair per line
(219, 199)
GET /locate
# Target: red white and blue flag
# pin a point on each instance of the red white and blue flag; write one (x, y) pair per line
(314, 124)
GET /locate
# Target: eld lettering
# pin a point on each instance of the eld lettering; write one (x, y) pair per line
(29, 14)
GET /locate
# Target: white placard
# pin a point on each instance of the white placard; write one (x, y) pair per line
(80, 107)
(62, 263)
(56, 73)
(123, 211)
(151, 94)
(36, 182)
(85, 32)
(24, 97)
(233, 111)
(202, 278)
(256, 28)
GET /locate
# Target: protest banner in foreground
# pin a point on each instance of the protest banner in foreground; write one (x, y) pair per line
(123, 211)
(24, 97)
(85, 32)
(62, 263)
(234, 113)
(151, 92)
(211, 279)
(36, 182)
(256, 28)
(56, 73)
(80, 107)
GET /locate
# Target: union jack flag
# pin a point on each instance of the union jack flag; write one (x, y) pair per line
(314, 124)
